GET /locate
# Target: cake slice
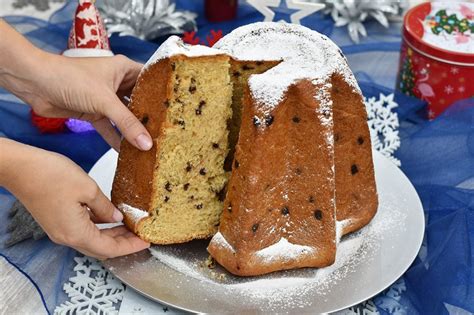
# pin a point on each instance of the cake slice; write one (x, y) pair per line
(173, 193)
(279, 212)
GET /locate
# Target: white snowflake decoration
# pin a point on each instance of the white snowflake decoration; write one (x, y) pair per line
(383, 125)
(92, 290)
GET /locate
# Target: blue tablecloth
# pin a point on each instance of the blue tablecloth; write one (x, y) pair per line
(437, 156)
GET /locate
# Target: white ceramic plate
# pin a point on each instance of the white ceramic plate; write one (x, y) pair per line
(367, 261)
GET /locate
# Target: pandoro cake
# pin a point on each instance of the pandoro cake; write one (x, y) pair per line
(262, 139)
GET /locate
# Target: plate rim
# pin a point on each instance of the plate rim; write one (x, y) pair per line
(376, 155)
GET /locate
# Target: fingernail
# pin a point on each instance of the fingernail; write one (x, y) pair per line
(117, 216)
(144, 142)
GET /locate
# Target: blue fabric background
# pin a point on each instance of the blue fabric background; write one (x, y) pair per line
(437, 156)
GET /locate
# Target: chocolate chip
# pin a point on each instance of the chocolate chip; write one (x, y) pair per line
(221, 193)
(192, 87)
(167, 103)
(354, 169)
(256, 121)
(318, 214)
(238, 268)
(202, 171)
(236, 74)
(144, 119)
(311, 199)
(199, 206)
(186, 186)
(236, 164)
(268, 120)
(247, 67)
(296, 119)
(200, 106)
(255, 227)
(215, 145)
(168, 186)
(285, 211)
(298, 171)
(229, 208)
(189, 167)
(360, 140)
(167, 198)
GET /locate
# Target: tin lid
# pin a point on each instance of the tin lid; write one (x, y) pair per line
(442, 30)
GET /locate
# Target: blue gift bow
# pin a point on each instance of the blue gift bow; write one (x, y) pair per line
(428, 150)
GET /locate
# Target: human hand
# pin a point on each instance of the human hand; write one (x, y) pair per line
(91, 89)
(64, 201)
(87, 88)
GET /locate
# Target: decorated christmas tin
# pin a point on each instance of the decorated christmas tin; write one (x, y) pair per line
(437, 54)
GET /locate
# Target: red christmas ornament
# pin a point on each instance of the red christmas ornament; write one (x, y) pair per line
(191, 38)
(215, 36)
(48, 125)
(220, 10)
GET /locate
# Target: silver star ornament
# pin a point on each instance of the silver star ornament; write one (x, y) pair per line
(304, 9)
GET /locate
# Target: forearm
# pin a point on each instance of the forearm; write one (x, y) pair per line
(7, 153)
(12, 155)
(20, 62)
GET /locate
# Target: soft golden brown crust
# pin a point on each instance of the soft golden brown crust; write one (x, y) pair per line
(133, 182)
(282, 186)
(356, 195)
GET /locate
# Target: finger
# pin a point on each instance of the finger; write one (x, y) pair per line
(106, 244)
(131, 70)
(105, 128)
(103, 210)
(129, 125)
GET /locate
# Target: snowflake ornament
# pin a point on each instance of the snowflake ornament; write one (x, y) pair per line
(93, 290)
(383, 125)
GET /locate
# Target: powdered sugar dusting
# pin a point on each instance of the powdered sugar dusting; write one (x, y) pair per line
(175, 46)
(289, 290)
(220, 240)
(340, 226)
(306, 54)
(133, 213)
(284, 251)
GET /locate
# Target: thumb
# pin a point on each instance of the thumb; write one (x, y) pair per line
(103, 210)
(129, 125)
